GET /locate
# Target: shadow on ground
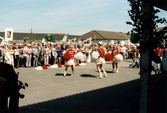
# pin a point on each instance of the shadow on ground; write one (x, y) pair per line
(109, 71)
(87, 75)
(121, 98)
(61, 74)
(158, 95)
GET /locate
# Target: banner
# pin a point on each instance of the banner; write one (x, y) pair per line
(8, 34)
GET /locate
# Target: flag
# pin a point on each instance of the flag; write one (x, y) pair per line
(64, 38)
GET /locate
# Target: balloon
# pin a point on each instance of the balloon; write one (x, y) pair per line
(134, 38)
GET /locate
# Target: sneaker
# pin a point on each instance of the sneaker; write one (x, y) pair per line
(72, 73)
(105, 74)
(64, 73)
(117, 71)
(113, 70)
(100, 77)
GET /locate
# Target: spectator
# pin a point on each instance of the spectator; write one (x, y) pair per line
(16, 56)
(54, 54)
(28, 52)
(59, 52)
(123, 50)
(47, 54)
(35, 53)
(9, 55)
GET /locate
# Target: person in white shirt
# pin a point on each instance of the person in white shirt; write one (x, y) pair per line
(28, 52)
(9, 55)
(47, 55)
(35, 53)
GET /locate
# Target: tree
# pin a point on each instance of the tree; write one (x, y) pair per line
(32, 36)
(137, 16)
(144, 22)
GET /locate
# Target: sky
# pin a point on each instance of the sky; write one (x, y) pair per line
(74, 17)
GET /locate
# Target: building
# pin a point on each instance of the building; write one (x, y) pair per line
(39, 36)
(104, 35)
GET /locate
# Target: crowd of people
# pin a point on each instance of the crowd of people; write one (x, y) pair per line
(38, 54)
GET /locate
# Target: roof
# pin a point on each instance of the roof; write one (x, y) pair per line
(104, 35)
(39, 36)
(161, 29)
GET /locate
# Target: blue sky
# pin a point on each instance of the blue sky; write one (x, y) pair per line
(75, 17)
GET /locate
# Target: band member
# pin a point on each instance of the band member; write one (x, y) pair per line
(69, 57)
(99, 59)
(115, 61)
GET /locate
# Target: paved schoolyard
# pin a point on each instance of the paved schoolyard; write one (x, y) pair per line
(50, 92)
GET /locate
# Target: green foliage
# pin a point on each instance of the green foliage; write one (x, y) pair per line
(136, 16)
(21, 85)
(138, 22)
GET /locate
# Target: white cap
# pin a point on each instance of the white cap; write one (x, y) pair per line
(100, 43)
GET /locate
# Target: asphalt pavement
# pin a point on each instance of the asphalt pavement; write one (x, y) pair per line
(50, 92)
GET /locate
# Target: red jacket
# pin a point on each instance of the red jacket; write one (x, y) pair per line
(101, 52)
